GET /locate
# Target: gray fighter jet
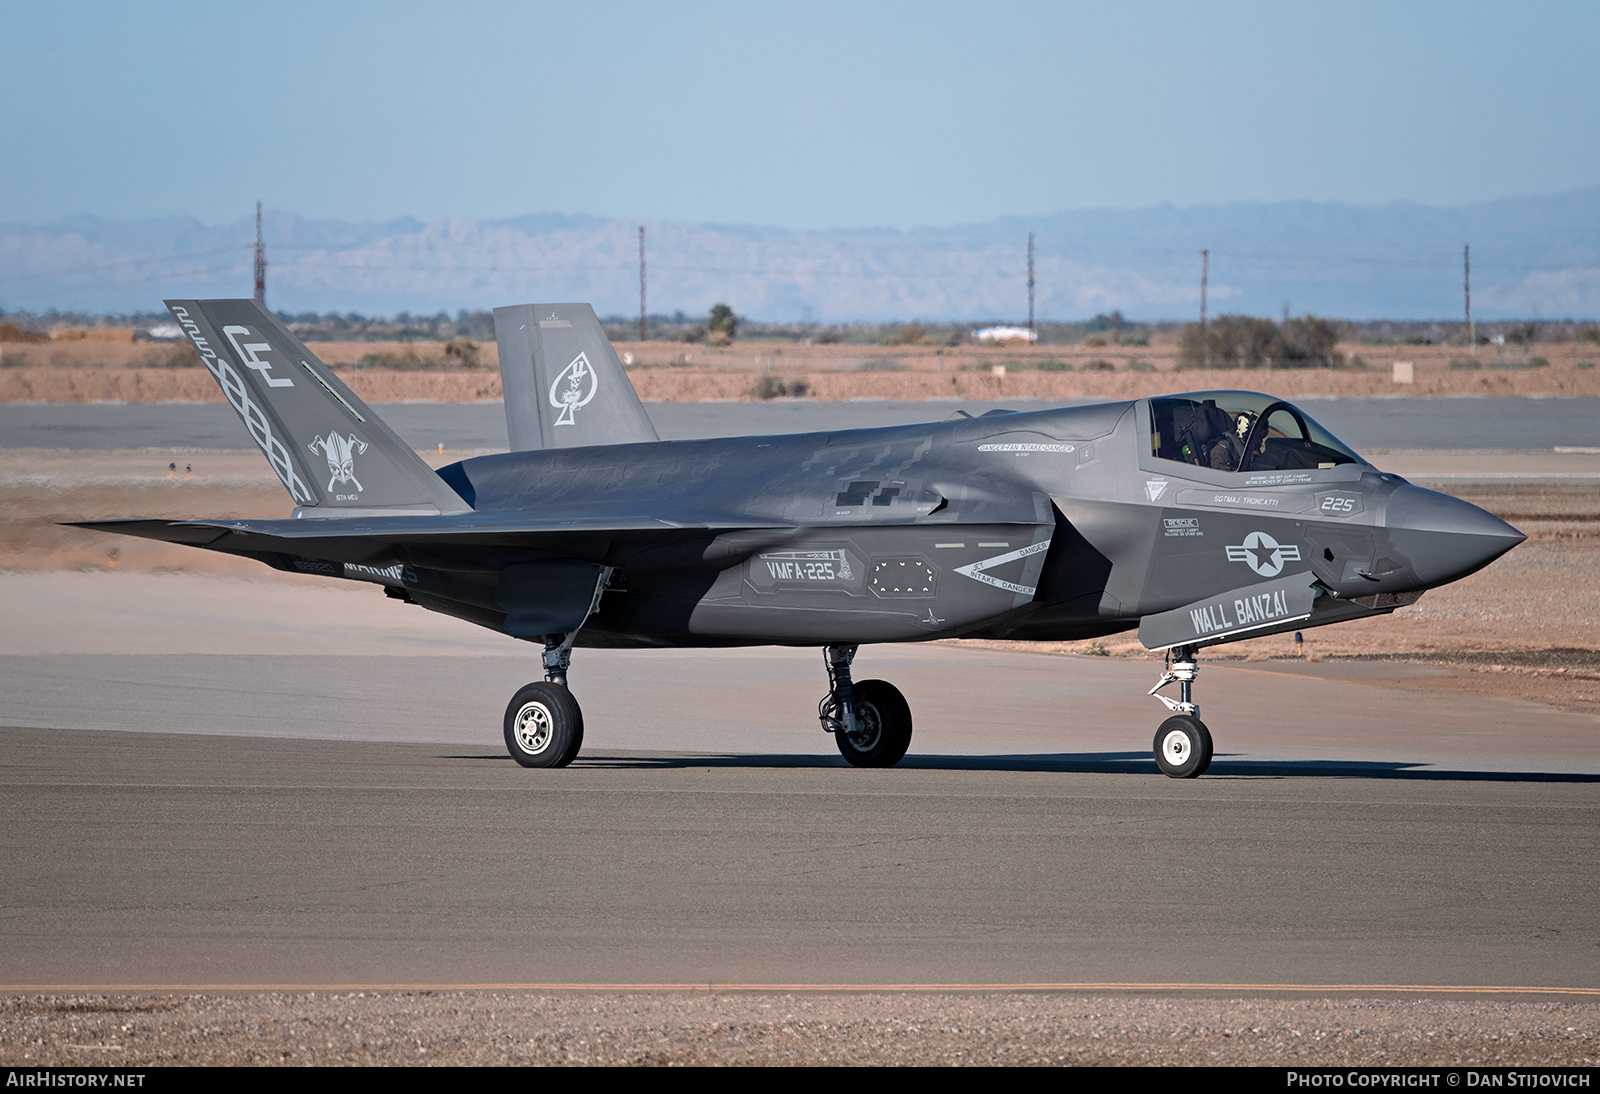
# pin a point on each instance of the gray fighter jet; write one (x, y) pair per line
(1200, 519)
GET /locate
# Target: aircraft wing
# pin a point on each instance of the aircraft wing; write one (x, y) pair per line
(576, 534)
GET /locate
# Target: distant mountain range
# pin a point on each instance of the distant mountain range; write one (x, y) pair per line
(1531, 257)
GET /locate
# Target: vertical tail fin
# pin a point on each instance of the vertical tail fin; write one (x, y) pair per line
(563, 384)
(334, 455)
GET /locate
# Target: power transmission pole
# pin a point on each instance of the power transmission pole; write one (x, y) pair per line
(1205, 273)
(261, 262)
(641, 282)
(1466, 287)
(1030, 280)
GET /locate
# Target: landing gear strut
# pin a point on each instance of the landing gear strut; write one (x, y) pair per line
(544, 724)
(870, 721)
(1183, 743)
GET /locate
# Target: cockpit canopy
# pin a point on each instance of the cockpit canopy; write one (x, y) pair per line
(1240, 431)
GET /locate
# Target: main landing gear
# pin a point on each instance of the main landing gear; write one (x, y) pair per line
(1183, 743)
(544, 724)
(870, 721)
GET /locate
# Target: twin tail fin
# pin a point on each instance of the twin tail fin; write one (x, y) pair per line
(334, 455)
(563, 384)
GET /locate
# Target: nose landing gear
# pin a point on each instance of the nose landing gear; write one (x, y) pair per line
(1183, 743)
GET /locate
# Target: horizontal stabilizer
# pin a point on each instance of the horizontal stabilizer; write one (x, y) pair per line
(563, 384)
(359, 538)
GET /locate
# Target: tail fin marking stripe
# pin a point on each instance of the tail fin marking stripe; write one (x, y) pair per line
(234, 390)
(360, 417)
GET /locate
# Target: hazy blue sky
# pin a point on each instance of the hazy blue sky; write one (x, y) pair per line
(813, 115)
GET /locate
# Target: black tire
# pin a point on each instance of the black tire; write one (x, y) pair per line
(885, 721)
(1183, 747)
(544, 726)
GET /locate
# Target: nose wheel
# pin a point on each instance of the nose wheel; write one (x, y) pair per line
(1183, 743)
(1183, 747)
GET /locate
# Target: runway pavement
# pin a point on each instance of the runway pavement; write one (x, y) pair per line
(183, 860)
(319, 797)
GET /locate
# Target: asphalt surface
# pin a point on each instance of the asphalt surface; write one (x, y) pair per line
(185, 860)
(324, 817)
(1501, 423)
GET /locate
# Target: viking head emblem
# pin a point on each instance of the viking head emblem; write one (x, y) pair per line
(572, 388)
(341, 453)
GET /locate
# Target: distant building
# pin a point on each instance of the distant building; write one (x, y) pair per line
(1005, 334)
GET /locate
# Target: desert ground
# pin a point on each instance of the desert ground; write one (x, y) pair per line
(731, 1028)
(675, 371)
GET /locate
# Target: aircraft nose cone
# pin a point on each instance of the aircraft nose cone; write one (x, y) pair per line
(1446, 538)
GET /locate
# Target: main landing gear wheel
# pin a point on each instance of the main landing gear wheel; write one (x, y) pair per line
(1183, 747)
(883, 726)
(544, 726)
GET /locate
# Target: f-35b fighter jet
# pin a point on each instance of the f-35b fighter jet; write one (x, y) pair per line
(1199, 519)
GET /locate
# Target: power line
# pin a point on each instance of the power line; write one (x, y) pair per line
(124, 265)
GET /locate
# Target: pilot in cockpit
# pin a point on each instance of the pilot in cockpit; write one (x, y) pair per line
(1247, 432)
(1209, 436)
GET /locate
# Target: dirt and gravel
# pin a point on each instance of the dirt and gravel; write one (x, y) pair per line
(679, 1028)
(676, 372)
